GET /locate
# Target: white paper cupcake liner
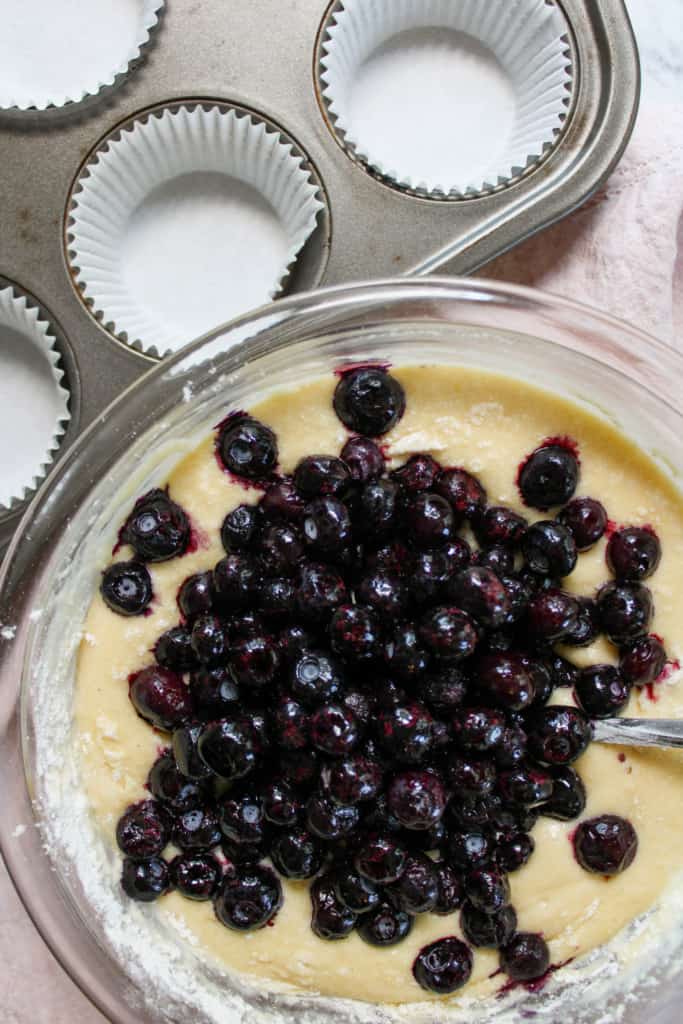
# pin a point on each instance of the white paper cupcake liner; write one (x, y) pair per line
(174, 175)
(529, 39)
(34, 404)
(59, 52)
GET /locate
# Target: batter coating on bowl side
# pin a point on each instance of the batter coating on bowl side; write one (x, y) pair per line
(487, 423)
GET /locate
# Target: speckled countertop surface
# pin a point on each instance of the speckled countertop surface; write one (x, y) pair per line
(622, 252)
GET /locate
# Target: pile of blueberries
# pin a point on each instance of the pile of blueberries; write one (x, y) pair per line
(360, 695)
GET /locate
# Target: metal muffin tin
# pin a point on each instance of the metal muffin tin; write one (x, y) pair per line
(263, 57)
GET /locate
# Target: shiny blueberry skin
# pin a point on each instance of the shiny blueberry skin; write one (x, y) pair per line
(281, 549)
(557, 735)
(511, 750)
(449, 634)
(429, 573)
(443, 966)
(548, 477)
(299, 767)
(562, 672)
(498, 558)
(174, 650)
(254, 662)
(514, 851)
(228, 747)
(196, 596)
(469, 777)
(282, 501)
(568, 798)
(384, 592)
(587, 520)
(240, 528)
(214, 693)
(417, 474)
(190, 764)
(320, 591)
(290, 724)
(377, 511)
(328, 820)
(506, 681)
(499, 525)
(126, 588)
(242, 818)
(315, 677)
(247, 448)
(526, 957)
(369, 401)
(469, 849)
(465, 494)
(417, 890)
(404, 654)
(601, 691)
(209, 640)
(605, 845)
(384, 926)
(478, 730)
(331, 919)
(405, 731)
(364, 459)
(525, 786)
(335, 730)
(249, 898)
(587, 628)
(444, 690)
(297, 854)
(292, 640)
(552, 614)
(451, 893)
(234, 579)
(487, 889)
(488, 931)
(317, 475)
(642, 661)
(355, 633)
(195, 876)
(625, 610)
(157, 529)
(327, 527)
(429, 520)
(281, 805)
(417, 799)
(549, 548)
(145, 880)
(479, 592)
(275, 600)
(142, 830)
(196, 830)
(380, 858)
(160, 697)
(633, 553)
(171, 787)
(354, 779)
(357, 893)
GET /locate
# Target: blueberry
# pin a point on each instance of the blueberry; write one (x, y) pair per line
(549, 477)
(568, 798)
(227, 747)
(292, 641)
(299, 767)
(557, 735)
(449, 634)
(282, 501)
(235, 578)
(451, 894)
(327, 528)
(320, 591)
(526, 786)
(126, 588)
(404, 655)
(469, 849)
(417, 799)
(195, 876)
(444, 690)
(552, 615)
(364, 459)
(254, 662)
(487, 889)
(317, 475)
(174, 650)
(186, 755)
(290, 724)
(281, 806)
(334, 730)
(369, 401)
(171, 787)
(384, 926)
(587, 628)
(562, 672)
(214, 693)
(281, 549)
(478, 730)
(384, 592)
(247, 448)
(331, 919)
(196, 830)
(429, 520)
(355, 633)
(606, 845)
(443, 966)
(587, 520)
(405, 731)
(625, 610)
(248, 899)
(377, 512)
(469, 777)
(157, 529)
(464, 492)
(549, 548)
(160, 697)
(240, 528)
(297, 854)
(417, 474)
(497, 557)
(145, 880)
(492, 931)
(634, 553)
(526, 957)
(142, 831)
(355, 779)
(511, 750)
(506, 681)
(417, 890)
(642, 661)
(329, 820)
(196, 596)
(499, 525)
(209, 640)
(514, 851)
(601, 691)
(479, 592)
(429, 573)
(315, 677)
(357, 893)
(380, 858)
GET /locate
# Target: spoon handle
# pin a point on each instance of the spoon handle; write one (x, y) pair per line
(640, 732)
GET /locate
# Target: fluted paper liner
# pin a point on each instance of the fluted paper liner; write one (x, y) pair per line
(59, 79)
(32, 456)
(158, 150)
(528, 37)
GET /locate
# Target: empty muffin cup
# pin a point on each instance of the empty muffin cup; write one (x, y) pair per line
(34, 404)
(56, 53)
(447, 98)
(185, 220)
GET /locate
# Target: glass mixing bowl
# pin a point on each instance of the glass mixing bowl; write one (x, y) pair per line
(48, 575)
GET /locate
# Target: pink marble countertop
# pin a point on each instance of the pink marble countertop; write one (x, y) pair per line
(622, 252)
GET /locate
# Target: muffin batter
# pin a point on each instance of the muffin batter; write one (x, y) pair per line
(487, 424)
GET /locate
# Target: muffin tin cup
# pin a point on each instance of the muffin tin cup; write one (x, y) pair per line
(73, 57)
(236, 149)
(530, 40)
(31, 374)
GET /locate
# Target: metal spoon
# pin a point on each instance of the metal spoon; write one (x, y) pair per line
(639, 732)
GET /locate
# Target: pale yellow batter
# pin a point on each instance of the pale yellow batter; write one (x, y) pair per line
(486, 423)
